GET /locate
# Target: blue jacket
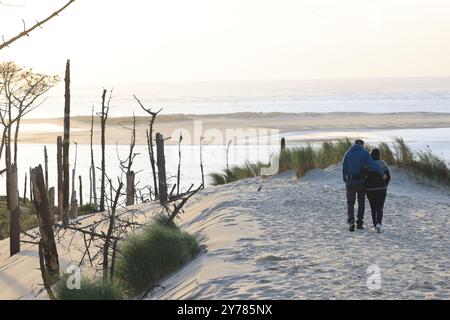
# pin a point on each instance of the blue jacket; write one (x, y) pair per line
(355, 160)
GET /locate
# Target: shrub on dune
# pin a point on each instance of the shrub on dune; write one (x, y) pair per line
(90, 289)
(153, 253)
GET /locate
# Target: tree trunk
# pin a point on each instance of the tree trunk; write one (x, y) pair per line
(15, 211)
(59, 160)
(161, 162)
(81, 191)
(52, 208)
(179, 165)
(152, 156)
(201, 162)
(46, 166)
(31, 187)
(74, 206)
(103, 138)
(109, 234)
(25, 189)
(41, 203)
(66, 145)
(93, 186)
(130, 188)
(281, 165)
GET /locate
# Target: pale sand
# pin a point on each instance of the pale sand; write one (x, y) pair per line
(170, 125)
(290, 241)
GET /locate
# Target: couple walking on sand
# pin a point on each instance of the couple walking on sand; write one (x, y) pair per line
(365, 173)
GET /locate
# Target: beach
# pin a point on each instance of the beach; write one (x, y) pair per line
(290, 241)
(45, 131)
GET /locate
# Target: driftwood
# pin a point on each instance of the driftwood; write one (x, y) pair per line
(47, 243)
(66, 145)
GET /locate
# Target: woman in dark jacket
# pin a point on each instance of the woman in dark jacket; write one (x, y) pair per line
(376, 189)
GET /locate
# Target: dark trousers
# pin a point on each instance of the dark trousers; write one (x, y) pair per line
(353, 193)
(377, 199)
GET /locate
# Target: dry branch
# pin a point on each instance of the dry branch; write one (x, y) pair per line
(38, 24)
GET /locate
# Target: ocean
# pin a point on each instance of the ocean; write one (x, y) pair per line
(376, 95)
(291, 96)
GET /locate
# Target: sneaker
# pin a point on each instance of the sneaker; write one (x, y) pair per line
(351, 228)
(360, 227)
(379, 228)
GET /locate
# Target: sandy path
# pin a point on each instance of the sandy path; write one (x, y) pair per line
(290, 241)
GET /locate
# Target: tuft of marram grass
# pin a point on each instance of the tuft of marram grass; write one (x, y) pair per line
(153, 253)
(90, 289)
(302, 159)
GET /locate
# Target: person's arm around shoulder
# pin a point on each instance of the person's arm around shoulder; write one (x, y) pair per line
(372, 164)
(344, 167)
(388, 175)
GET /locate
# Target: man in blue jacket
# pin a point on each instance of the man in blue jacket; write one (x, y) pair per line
(355, 160)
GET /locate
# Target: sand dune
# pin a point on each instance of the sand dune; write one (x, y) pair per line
(46, 130)
(290, 241)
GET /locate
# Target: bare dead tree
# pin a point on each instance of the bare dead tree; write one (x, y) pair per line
(73, 198)
(179, 207)
(103, 118)
(59, 161)
(150, 146)
(26, 32)
(24, 200)
(93, 187)
(228, 152)
(46, 166)
(127, 164)
(21, 92)
(66, 146)
(15, 211)
(47, 245)
(161, 162)
(179, 163)
(81, 190)
(112, 222)
(201, 161)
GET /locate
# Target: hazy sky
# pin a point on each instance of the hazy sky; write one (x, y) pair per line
(112, 42)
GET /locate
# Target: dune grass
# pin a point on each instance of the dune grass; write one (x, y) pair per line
(235, 173)
(90, 289)
(144, 258)
(28, 217)
(153, 253)
(424, 164)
